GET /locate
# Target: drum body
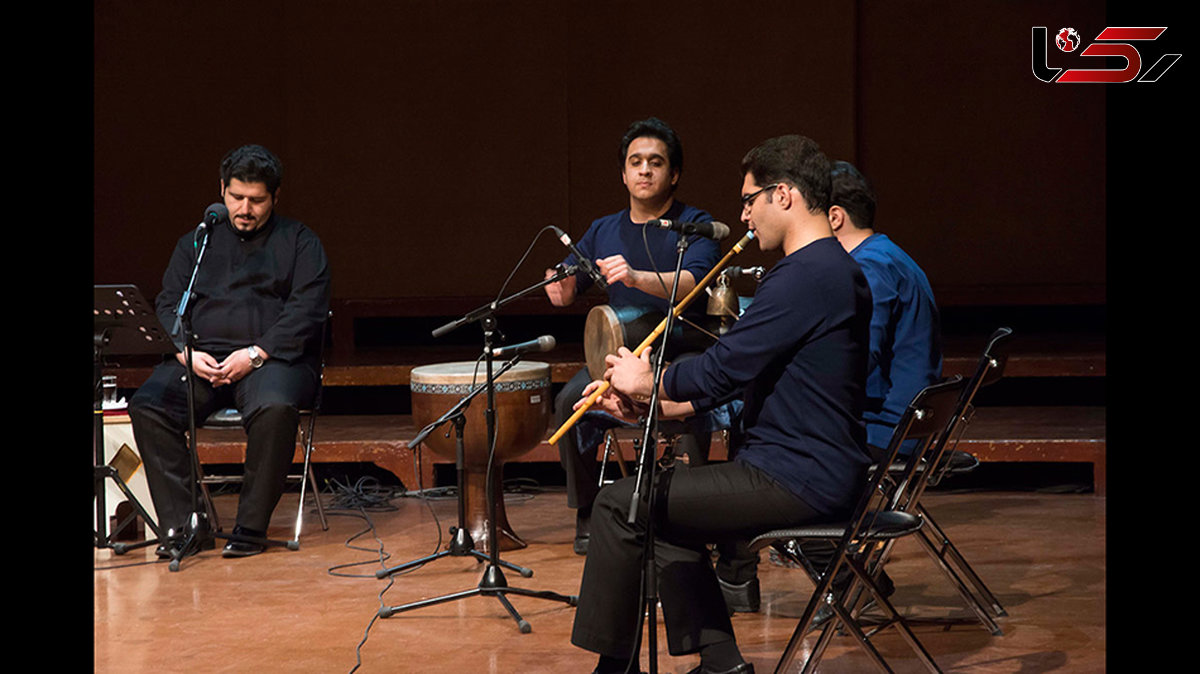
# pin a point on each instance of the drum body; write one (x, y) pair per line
(523, 403)
(607, 328)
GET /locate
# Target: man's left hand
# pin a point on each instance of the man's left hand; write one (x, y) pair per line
(616, 269)
(236, 366)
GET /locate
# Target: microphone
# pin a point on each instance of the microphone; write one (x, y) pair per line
(543, 343)
(585, 263)
(734, 273)
(709, 230)
(216, 212)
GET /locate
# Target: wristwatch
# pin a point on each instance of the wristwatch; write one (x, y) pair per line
(256, 359)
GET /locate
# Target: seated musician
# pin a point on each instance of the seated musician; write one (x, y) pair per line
(798, 355)
(638, 264)
(260, 299)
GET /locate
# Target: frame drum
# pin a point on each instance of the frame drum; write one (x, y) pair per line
(607, 329)
(522, 415)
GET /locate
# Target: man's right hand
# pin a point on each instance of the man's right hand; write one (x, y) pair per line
(561, 293)
(204, 365)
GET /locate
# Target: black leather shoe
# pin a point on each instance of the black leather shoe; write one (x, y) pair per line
(582, 530)
(167, 550)
(741, 597)
(177, 537)
(743, 668)
(236, 548)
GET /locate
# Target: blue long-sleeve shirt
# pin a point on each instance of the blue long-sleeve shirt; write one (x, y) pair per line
(906, 349)
(799, 354)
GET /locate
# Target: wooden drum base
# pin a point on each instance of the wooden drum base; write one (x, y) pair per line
(475, 507)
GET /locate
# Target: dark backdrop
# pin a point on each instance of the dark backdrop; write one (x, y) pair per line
(427, 142)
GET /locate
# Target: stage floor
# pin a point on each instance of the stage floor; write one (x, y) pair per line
(315, 609)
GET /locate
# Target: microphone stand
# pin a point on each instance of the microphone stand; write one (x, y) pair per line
(194, 535)
(648, 478)
(461, 543)
(493, 582)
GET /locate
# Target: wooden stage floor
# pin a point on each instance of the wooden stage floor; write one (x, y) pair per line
(314, 609)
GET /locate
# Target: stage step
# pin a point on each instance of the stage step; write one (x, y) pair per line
(996, 434)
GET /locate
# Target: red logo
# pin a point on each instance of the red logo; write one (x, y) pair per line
(1067, 39)
(1111, 42)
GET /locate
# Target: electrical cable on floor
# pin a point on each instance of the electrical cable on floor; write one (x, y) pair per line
(367, 495)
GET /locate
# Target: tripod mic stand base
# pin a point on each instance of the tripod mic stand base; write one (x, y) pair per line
(122, 548)
(492, 584)
(461, 545)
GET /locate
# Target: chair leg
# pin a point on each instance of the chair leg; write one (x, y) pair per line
(620, 456)
(611, 446)
(312, 477)
(305, 476)
(894, 619)
(947, 557)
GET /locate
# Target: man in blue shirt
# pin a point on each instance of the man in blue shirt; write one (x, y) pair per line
(638, 264)
(799, 357)
(906, 345)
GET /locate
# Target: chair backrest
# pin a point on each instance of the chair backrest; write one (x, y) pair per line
(991, 363)
(934, 412)
(325, 328)
(988, 370)
(924, 420)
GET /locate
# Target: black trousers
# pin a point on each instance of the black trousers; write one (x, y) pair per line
(722, 502)
(577, 447)
(269, 399)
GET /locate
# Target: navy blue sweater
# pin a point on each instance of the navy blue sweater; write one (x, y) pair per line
(618, 234)
(799, 354)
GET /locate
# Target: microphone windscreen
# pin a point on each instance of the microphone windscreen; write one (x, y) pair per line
(216, 212)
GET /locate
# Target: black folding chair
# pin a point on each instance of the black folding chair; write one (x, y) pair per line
(864, 538)
(933, 538)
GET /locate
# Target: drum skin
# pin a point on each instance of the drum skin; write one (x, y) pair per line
(523, 403)
(608, 328)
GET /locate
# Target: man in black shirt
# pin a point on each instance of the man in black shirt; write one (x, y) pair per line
(260, 298)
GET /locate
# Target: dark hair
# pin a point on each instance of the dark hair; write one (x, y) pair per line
(654, 128)
(252, 164)
(795, 160)
(853, 193)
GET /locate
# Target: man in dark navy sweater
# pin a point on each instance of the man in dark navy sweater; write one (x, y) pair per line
(905, 352)
(798, 355)
(260, 298)
(638, 264)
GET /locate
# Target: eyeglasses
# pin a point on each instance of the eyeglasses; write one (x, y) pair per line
(748, 199)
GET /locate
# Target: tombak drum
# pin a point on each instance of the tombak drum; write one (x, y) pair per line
(522, 414)
(608, 328)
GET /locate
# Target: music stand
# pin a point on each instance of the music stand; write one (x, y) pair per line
(125, 324)
(493, 582)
